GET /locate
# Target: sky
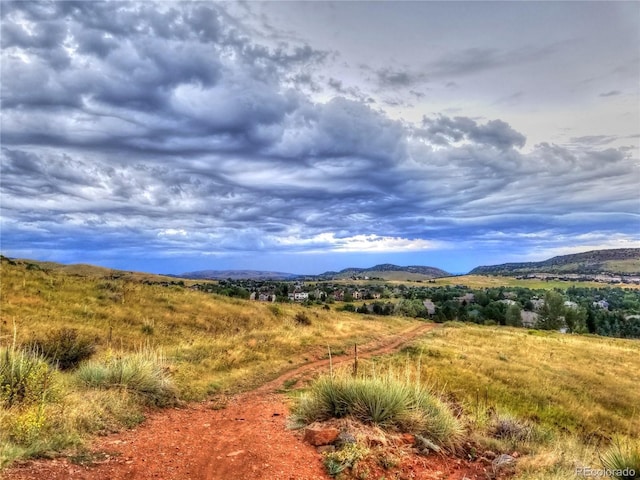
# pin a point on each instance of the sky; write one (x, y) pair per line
(311, 136)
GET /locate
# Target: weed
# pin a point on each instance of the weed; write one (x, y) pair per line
(347, 457)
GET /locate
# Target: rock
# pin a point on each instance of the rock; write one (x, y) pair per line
(235, 454)
(345, 438)
(320, 436)
(503, 461)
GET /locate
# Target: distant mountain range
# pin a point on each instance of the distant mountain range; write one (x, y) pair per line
(237, 275)
(620, 261)
(386, 271)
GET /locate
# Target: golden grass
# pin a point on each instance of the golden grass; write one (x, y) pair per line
(209, 339)
(578, 392)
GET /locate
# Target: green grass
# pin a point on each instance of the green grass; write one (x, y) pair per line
(142, 373)
(385, 400)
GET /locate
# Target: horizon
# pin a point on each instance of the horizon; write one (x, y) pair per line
(300, 273)
(304, 137)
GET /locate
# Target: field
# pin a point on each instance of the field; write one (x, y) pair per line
(578, 395)
(571, 397)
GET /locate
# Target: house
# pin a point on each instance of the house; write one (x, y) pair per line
(338, 295)
(603, 304)
(267, 297)
(508, 301)
(570, 304)
(537, 303)
(430, 306)
(529, 319)
(300, 296)
(357, 295)
(376, 295)
(467, 298)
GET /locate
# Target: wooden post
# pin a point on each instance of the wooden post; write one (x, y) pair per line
(355, 360)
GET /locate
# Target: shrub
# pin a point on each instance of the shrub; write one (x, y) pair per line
(624, 459)
(384, 401)
(25, 377)
(302, 318)
(64, 348)
(142, 373)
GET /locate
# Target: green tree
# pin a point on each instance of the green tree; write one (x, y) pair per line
(576, 319)
(513, 317)
(552, 312)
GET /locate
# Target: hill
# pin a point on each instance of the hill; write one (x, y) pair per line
(238, 275)
(388, 271)
(621, 261)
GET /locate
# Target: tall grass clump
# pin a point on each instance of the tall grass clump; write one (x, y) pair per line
(622, 460)
(25, 377)
(142, 373)
(384, 400)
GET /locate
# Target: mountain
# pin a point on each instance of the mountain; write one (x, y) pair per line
(620, 261)
(237, 275)
(388, 271)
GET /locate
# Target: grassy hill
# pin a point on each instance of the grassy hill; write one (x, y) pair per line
(622, 261)
(387, 271)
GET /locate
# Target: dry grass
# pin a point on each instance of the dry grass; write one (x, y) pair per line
(210, 344)
(560, 399)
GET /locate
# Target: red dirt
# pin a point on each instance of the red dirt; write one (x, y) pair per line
(247, 439)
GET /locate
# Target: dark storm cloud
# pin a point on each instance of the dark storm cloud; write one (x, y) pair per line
(167, 125)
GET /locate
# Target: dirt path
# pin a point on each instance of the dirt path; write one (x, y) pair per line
(247, 439)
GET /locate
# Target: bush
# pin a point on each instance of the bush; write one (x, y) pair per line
(302, 318)
(25, 377)
(64, 348)
(387, 402)
(142, 373)
(623, 459)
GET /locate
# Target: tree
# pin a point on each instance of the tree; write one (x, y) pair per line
(576, 319)
(551, 313)
(513, 316)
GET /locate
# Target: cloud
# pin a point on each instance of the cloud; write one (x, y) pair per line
(611, 93)
(167, 129)
(495, 133)
(392, 78)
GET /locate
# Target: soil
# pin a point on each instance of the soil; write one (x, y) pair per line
(241, 437)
